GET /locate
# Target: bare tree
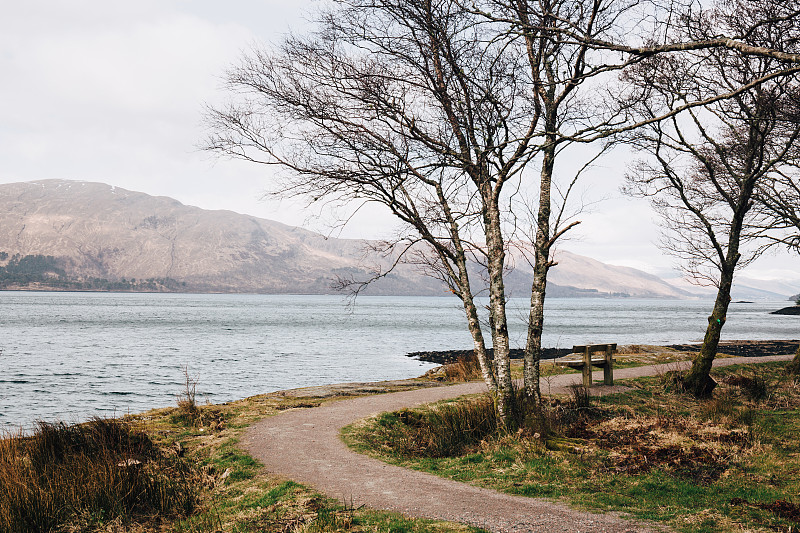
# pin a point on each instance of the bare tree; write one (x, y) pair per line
(707, 164)
(418, 106)
(581, 102)
(737, 39)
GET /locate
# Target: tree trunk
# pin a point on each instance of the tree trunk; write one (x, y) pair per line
(497, 310)
(478, 342)
(794, 365)
(533, 344)
(495, 263)
(699, 381)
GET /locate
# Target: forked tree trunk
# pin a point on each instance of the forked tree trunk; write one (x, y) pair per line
(699, 381)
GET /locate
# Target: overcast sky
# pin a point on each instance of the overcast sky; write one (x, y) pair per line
(113, 91)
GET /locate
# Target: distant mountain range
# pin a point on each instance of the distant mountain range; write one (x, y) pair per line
(95, 236)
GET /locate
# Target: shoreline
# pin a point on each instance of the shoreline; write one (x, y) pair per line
(736, 348)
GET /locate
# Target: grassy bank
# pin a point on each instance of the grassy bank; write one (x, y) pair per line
(727, 464)
(73, 478)
(242, 498)
(176, 469)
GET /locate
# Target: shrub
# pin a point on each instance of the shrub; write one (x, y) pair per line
(101, 469)
(187, 399)
(457, 428)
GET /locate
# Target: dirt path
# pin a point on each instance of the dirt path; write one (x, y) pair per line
(304, 445)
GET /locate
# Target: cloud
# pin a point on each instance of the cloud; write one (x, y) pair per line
(114, 91)
(109, 93)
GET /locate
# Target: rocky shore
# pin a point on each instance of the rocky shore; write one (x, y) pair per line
(791, 310)
(735, 348)
(451, 356)
(747, 348)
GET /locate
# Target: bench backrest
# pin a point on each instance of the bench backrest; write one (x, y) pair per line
(593, 348)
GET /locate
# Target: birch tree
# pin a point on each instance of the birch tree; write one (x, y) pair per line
(582, 101)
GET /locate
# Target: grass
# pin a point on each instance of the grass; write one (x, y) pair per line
(446, 430)
(627, 356)
(175, 469)
(192, 452)
(731, 463)
(241, 498)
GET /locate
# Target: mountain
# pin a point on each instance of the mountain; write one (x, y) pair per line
(744, 288)
(774, 289)
(94, 231)
(100, 231)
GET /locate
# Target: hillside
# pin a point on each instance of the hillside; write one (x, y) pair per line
(93, 231)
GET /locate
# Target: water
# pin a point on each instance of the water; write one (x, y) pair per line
(68, 356)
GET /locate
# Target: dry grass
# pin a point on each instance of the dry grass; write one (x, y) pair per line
(466, 368)
(446, 430)
(81, 474)
(239, 496)
(176, 469)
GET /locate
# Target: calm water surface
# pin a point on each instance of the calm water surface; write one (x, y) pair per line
(69, 356)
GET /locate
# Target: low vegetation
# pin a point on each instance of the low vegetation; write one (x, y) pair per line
(731, 463)
(48, 272)
(727, 464)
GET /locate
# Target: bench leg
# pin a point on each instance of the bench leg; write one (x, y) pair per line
(608, 368)
(587, 375)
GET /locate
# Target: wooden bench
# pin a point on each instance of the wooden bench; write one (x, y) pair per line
(588, 360)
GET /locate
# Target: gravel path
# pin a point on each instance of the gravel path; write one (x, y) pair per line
(304, 445)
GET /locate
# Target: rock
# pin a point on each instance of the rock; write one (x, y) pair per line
(793, 310)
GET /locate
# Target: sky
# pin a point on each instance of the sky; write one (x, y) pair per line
(114, 92)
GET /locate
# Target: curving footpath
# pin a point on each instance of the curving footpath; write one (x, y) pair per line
(304, 445)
